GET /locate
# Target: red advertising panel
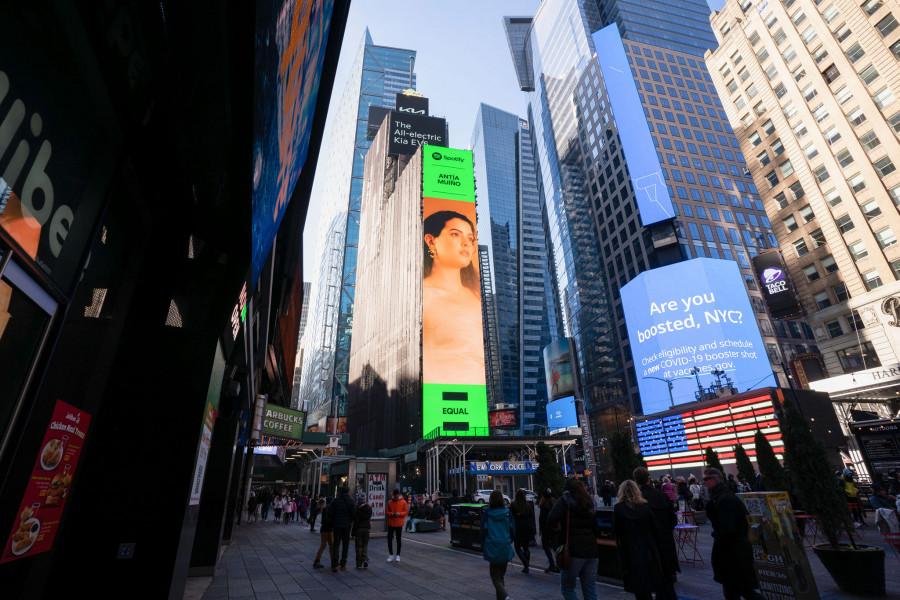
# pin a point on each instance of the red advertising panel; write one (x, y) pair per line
(504, 417)
(38, 518)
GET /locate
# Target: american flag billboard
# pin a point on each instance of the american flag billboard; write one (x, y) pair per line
(678, 440)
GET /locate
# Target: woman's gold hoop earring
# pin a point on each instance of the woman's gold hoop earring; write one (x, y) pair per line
(431, 252)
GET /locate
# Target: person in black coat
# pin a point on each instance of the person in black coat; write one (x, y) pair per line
(343, 510)
(732, 554)
(666, 518)
(574, 515)
(638, 541)
(548, 538)
(523, 517)
(362, 527)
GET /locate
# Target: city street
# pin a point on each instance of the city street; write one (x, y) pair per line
(268, 561)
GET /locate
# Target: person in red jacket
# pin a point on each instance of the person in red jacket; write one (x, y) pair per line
(396, 510)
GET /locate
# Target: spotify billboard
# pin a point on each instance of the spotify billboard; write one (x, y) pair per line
(454, 395)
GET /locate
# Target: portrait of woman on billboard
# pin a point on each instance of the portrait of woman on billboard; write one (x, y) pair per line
(453, 338)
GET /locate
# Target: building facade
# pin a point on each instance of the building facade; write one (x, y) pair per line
(810, 89)
(681, 25)
(377, 75)
(517, 295)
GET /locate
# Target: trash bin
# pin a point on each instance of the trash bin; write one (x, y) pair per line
(608, 565)
(465, 525)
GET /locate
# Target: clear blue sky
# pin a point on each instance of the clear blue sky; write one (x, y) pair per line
(462, 60)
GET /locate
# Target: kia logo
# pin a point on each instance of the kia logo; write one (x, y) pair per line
(436, 155)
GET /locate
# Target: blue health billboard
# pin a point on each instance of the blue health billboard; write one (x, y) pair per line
(686, 321)
(561, 414)
(650, 189)
(291, 37)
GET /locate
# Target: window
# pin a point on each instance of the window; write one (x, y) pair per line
(762, 55)
(886, 25)
(885, 237)
(842, 32)
(754, 37)
(755, 139)
(869, 74)
(855, 52)
(789, 54)
(780, 90)
(870, 210)
(883, 97)
(736, 58)
(759, 109)
(751, 91)
(834, 329)
(872, 280)
(800, 247)
(809, 35)
(806, 213)
(854, 321)
(844, 158)
(869, 141)
(818, 238)
(831, 74)
(894, 122)
(772, 178)
(884, 166)
(811, 272)
(856, 117)
(895, 194)
(740, 103)
(809, 92)
(857, 183)
(777, 147)
(790, 110)
(858, 250)
(840, 292)
(844, 223)
(747, 120)
(768, 127)
(779, 36)
(822, 300)
(895, 268)
(829, 264)
(871, 6)
(895, 49)
(725, 29)
(772, 72)
(781, 200)
(810, 151)
(787, 168)
(820, 113)
(858, 357)
(821, 173)
(830, 13)
(770, 20)
(843, 94)
(744, 74)
(763, 158)
(732, 86)
(819, 54)
(832, 134)
(800, 129)
(797, 190)
(798, 17)
(791, 224)
(833, 198)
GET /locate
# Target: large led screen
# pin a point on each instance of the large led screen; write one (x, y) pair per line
(561, 414)
(558, 369)
(454, 396)
(291, 36)
(686, 321)
(679, 440)
(776, 285)
(651, 193)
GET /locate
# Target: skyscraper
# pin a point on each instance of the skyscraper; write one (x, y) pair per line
(681, 25)
(811, 90)
(518, 304)
(377, 75)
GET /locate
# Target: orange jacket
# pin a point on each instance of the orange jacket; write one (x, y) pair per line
(396, 512)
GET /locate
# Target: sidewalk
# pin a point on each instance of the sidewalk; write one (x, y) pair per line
(274, 561)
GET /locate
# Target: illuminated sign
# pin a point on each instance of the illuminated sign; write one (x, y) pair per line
(239, 312)
(651, 193)
(558, 368)
(688, 321)
(454, 396)
(291, 38)
(561, 414)
(410, 103)
(283, 422)
(776, 285)
(679, 440)
(504, 417)
(510, 467)
(410, 131)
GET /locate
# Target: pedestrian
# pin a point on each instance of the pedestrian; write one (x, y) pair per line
(759, 485)
(343, 510)
(548, 542)
(497, 534)
(326, 533)
(852, 494)
(302, 507)
(288, 509)
(396, 510)
(314, 510)
(732, 554)
(523, 516)
(743, 487)
(278, 505)
(362, 527)
(638, 543)
(682, 491)
(667, 520)
(696, 494)
(265, 501)
(252, 502)
(731, 483)
(606, 492)
(575, 517)
(669, 489)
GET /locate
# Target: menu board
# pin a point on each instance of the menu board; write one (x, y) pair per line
(40, 511)
(377, 494)
(881, 448)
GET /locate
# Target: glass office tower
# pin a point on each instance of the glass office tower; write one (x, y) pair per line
(681, 25)
(377, 75)
(519, 311)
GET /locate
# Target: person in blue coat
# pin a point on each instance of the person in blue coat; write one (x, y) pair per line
(497, 534)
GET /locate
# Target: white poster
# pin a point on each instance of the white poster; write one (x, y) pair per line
(377, 496)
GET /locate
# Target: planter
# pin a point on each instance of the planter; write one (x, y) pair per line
(859, 571)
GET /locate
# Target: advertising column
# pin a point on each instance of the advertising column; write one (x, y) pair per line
(454, 395)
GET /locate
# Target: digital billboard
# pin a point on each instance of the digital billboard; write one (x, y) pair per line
(558, 369)
(776, 285)
(410, 103)
(410, 131)
(561, 414)
(291, 37)
(686, 321)
(651, 193)
(504, 417)
(678, 440)
(454, 395)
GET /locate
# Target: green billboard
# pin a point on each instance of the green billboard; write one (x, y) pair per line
(447, 173)
(283, 422)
